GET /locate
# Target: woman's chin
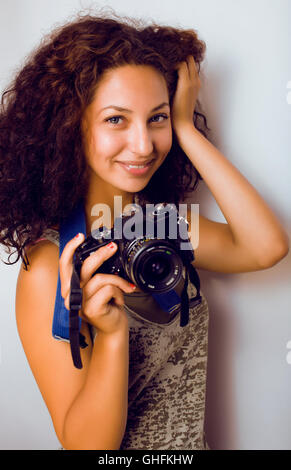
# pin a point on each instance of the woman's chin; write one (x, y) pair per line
(133, 186)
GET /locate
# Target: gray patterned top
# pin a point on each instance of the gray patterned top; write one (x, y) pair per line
(167, 375)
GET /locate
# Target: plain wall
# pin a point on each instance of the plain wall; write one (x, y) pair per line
(246, 80)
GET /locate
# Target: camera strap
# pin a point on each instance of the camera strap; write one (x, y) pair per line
(171, 300)
(67, 323)
(73, 224)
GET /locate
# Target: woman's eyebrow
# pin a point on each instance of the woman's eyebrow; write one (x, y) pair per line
(119, 108)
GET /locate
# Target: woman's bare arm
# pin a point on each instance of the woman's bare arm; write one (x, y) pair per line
(253, 237)
(88, 406)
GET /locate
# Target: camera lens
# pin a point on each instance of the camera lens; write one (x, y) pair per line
(153, 264)
(156, 268)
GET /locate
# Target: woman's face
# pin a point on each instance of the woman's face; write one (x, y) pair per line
(117, 140)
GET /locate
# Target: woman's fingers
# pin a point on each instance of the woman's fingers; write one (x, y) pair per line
(66, 259)
(95, 260)
(101, 280)
(188, 68)
(88, 283)
(104, 298)
(192, 67)
(97, 283)
(182, 69)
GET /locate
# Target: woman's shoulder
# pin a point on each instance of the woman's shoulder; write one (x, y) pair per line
(40, 249)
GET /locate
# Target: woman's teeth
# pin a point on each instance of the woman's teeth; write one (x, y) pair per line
(137, 166)
(137, 169)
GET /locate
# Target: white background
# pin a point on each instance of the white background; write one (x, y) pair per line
(244, 93)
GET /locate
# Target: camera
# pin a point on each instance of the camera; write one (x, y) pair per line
(154, 256)
(150, 256)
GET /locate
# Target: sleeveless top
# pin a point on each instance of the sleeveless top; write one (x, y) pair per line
(167, 373)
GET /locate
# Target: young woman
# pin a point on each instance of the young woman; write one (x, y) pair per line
(98, 97)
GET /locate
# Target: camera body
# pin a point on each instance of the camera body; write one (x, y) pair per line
(151, 256)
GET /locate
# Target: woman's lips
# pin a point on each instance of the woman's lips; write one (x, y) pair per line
(136, 171)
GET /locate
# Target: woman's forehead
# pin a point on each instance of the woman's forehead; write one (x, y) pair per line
(131, 85)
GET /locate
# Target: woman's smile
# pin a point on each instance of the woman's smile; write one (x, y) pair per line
(137, 169)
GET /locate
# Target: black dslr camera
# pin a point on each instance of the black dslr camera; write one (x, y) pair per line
(150, 256)
(153, 252)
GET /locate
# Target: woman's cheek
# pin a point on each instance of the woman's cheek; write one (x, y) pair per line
(107, 145)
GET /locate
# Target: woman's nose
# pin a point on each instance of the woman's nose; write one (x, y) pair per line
(140, 141)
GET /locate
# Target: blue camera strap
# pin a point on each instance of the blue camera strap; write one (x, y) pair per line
(69, 228)
(169, 301)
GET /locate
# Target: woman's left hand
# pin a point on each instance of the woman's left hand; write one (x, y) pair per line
(186, 94)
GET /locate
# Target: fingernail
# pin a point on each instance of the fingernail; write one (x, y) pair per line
(78, 234)
(111, 245)
(132, 286)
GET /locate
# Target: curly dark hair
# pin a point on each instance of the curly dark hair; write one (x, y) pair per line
(43, 172)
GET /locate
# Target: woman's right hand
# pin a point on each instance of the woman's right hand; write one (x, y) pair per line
(102, 302)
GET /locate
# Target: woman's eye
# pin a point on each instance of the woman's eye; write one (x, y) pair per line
(156, 118)
(112, 118)
(164, 116)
